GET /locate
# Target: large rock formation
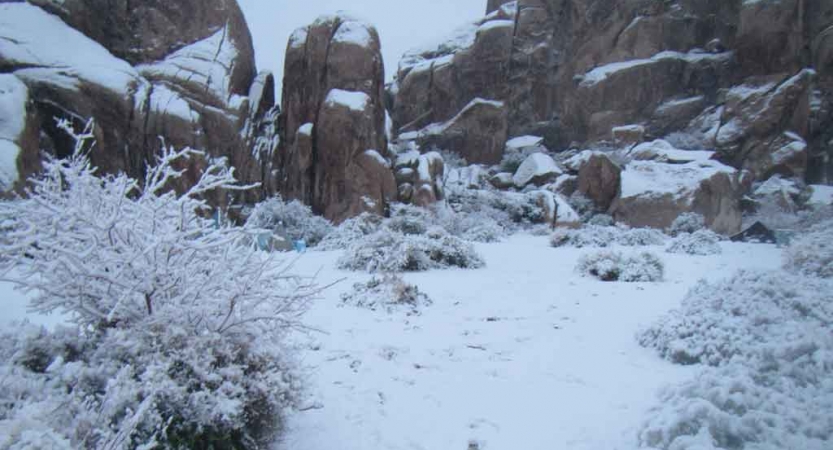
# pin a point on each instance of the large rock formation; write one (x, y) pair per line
(333, 152)
(178, 70)
(738, 75)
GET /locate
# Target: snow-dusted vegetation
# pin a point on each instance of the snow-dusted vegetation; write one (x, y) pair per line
(177, 323)
(604, 236)
(388, 292)
(766, 337)
(701, 242)
(292, 219)
(393, 251)
(812, 252)
(607, 265)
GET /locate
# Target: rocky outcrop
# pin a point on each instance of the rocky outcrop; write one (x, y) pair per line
(126, 69)
(653, 194)
(572, 71)
(420, 177)
(333, 146)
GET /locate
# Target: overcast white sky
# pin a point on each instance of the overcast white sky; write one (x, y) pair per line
(402, 24)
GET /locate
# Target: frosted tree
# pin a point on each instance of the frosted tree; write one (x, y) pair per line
(179, 318)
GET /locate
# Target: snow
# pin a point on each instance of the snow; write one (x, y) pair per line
(601, 73)
(777, 185)
(536, 165)
(378, 158)
(439, 128)
(53, 52)
(522, 142)
(298, 38)
(493, 24)
(822, 195)
(649, 178)
(166, 101)
(306, 129)
(9, 152)
(16, 308)
(576, 162)
(524, 353)
(208, 63)
(356, 101)
(13, 98)
(662, 151)
(791, 150)
(353, 32)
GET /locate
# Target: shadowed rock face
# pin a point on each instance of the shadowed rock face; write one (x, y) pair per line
(333, 121)
(181, 71)
(571, 70)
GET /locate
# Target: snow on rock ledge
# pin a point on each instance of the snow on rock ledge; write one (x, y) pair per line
(355, 101)
(537, 169)
(653, 194)
(13, 99)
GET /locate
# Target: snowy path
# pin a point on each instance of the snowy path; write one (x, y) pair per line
(523, 354)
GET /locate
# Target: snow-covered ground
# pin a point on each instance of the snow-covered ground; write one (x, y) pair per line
(523, 354)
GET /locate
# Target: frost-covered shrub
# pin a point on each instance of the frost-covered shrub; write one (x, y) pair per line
(741, 407)
(585, 207)
(179, 323)
(601, 236)
(392, 251)
(742, 317)
(350, 231)
(475, 226)
(293, 218)
(811, 253)
(640, 237)
(702, 242)
(409, 219)
(613, 266)
(601, 220)
(768, 337)
(687, 223)
(390, 292)
(509, 209)
(589, 236)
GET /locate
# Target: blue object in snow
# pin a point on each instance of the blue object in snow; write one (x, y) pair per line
(300, 246)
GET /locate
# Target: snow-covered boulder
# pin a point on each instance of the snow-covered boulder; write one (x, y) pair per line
(537, 169)
(821, 195)
(655, 194)
(502, 180)
(628, 134)
(17, 128)
(662, 151)
(161, 70)
(333, 80)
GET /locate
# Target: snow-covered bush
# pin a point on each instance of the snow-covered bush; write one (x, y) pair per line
(687, 223)
(702, 242)
(409, 219)
(475, 226)
(589, 236)
(509, 209)
(742, 317)
(640, 237)
(601, 220)
(392, 251)
(811, 253)
(602, 236)
(768, 337)
(293, 218)
(613, 266)
(178, 321)
(390, 292)
(350, 231)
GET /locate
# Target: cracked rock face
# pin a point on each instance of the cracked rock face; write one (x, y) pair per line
(334, 148)
(174, 70)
